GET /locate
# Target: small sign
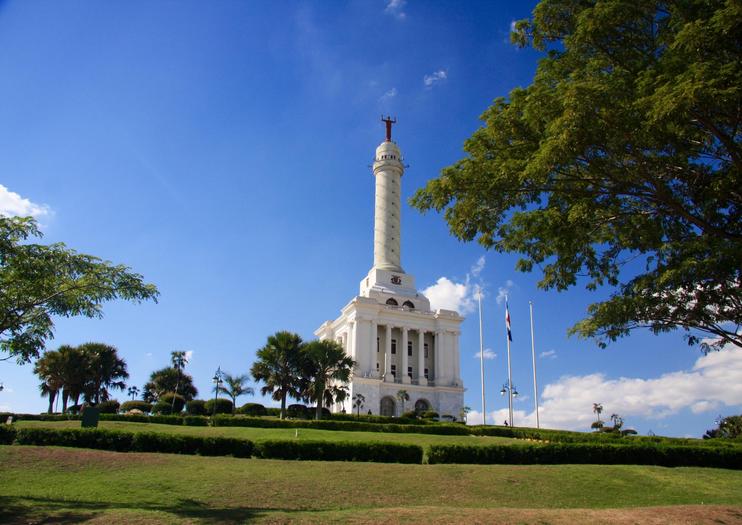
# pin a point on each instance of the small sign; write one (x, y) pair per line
(396, 279)
(90, 417)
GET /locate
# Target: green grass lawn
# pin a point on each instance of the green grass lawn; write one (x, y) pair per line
(63, 485)
(258, 434)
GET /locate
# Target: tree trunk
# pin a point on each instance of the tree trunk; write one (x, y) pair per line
(283, 405)
(52, 396)
(320, 398)
(65, 396)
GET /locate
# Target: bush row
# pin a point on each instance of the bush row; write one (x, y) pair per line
(340, 451)
(135, 441)
(589, 453)
(332, 424)
(212, 446)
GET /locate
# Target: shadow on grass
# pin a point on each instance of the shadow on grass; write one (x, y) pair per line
(38, 511)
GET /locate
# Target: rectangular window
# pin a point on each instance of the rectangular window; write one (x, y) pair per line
(426, 371)
(377, 344)
(394, 370)
(409, 348)
(409, 371)
(425, 347)
(394, 346)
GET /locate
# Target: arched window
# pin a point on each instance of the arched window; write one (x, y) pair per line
(409, 305)
(387, 407)
(392, 302)
(422, 405)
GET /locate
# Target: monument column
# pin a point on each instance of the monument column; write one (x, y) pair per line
(405, 357)
(388, 170)
(388, 354)
(437, 356)
(421, 380)
(375, 356)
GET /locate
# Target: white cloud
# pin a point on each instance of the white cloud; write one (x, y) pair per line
(390, 94)
(512, 25)
(551, 354)
(478, 267)
(459, 296)
(488, 354)
(13, 205)
(714, 381)
(504, 291)
(395, 8)
(448, 295)
(189, 355)
(148, 354)
(435, 78)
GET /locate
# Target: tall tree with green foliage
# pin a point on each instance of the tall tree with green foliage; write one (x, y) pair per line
(327, 369)
(234, 387)
(75, 373)
(38, 282)
(621, 164)
(278, 365)
(50, 369)
(167, 380)
(105, 371)
(179, 360)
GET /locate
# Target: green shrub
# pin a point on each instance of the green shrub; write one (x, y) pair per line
(108, 407)
(7, 434)
(429, 414)
(410, 414)
(136, 405)
(252, 409)
(196, 421)
(340, 451)
(74, 409)
(273, 411)
(169, 404)
(196, 407)
(136, 442)
(297, 411)
(223, 406)
(589, 453)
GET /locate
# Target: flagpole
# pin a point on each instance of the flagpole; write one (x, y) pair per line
(510, 373)
(481, 355)
(533, 356)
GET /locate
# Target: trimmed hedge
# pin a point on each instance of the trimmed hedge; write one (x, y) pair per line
(223, 406)
(196, 407)
(331, 424)
(135, 442)
(252, 409)
(588, 453)
(136, 405)
(108, 407)
(340, 451)
(7, 434)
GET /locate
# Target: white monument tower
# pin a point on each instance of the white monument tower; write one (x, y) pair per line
(397, 341)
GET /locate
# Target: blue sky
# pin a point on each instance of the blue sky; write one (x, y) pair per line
(221, 149)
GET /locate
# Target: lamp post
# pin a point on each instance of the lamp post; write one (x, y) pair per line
(217, 379)
(512, 391)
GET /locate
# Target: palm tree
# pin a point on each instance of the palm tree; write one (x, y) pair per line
(76, 370)
(597, 409)
(464, 412)
(403, 396)
(179, 360)
(327, 371)
(50, 369)
(106, 370)
(166, 380)
(278, 365)
(358, 401)
(234, 387)
(133, 392)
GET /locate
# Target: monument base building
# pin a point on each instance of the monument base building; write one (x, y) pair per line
(396, 340)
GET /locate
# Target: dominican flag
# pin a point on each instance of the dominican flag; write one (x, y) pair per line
(507, 321)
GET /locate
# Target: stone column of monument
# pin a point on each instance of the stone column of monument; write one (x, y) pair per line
(388, 170)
